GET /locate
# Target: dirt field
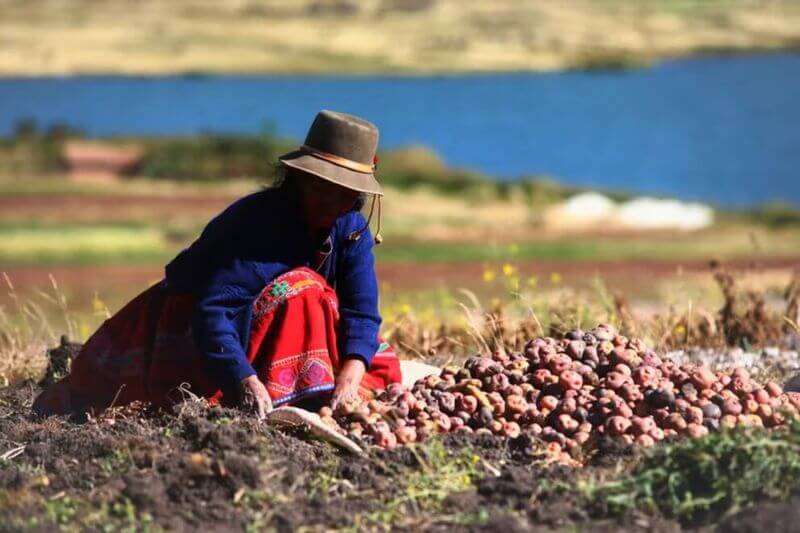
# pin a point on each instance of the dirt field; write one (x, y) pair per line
(218, 469)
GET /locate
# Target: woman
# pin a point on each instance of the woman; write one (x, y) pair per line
(275, 303)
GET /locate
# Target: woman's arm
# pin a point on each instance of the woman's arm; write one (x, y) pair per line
(221, 313)
(357, 289)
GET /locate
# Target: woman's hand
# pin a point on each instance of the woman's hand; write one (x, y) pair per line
(254, 396)
(347, 382)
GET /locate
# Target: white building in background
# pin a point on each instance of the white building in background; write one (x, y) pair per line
(653, 213)
(592, 210)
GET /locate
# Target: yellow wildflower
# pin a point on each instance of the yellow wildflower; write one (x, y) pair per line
(555, 278)
(489, 275)
(532, 282)
(509, 270)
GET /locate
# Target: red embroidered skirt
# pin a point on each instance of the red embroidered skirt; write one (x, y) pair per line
(146, 352)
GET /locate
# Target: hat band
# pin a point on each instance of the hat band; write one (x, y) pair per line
(338, 160)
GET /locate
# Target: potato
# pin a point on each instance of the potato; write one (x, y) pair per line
(570, 380)
(773, 389)
(516, 404)
(566, 424)
(702, 378)
(617, 425)
(711, 410)
(675, 421)
(616, 379)
(731, 406)
(645, 376)
(696, 430)
(548, 402)
(511, 430)
(468, 404)
(761, 396)
(406, 435)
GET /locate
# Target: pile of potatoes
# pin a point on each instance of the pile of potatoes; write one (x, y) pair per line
(568, 393)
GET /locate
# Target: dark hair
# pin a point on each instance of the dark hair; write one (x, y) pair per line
(288, 179)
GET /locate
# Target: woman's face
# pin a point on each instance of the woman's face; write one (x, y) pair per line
(323, 201)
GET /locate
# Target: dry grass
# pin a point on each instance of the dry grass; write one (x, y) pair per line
(58, 37)
(744, 318)
(28, 328)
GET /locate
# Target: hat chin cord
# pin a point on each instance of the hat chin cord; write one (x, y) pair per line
(354, 236)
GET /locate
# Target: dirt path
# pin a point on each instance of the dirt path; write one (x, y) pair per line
(408, 275)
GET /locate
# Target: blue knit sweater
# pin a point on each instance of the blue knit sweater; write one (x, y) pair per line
(253, 241)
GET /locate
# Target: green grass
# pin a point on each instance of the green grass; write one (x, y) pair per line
(28, 243)
(703, 246)
(75, 244)
(698, 481)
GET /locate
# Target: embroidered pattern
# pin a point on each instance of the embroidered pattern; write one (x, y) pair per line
(284, 287)
(300, 375)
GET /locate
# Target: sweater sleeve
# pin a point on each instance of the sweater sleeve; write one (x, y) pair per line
(221, 308)
(357, 289)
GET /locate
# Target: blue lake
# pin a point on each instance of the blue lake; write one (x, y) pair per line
(720, 129)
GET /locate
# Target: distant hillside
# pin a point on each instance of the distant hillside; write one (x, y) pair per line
(377, 36)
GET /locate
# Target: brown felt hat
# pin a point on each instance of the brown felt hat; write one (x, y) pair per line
(339, 148)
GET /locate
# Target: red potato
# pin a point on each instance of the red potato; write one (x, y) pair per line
(553, 448)
(617, 425)
(542, 377)
(566, 424)
(694, 415)
(696, 431)
(616, 379)
(702, 378)
(516, 404)
(406, 435)
(511, 430)
(773, 389)
(630, 392)
(581, 437)
(385, 439)
(659, 415)
(570, 380)
(548, 402)
(728, 421)
(567, 406)
(645, 376)
(657, 434)
(642, 425)
(623, 369)
(559, 363)
(761, 396)
(623, 409)
(499, 382)
(645, 441)
(741, 386)
(468, 404)
(750, 407)
(676, 422)
(731, 406)
(514, 389)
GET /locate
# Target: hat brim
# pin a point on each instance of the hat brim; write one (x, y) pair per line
(350, 179)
